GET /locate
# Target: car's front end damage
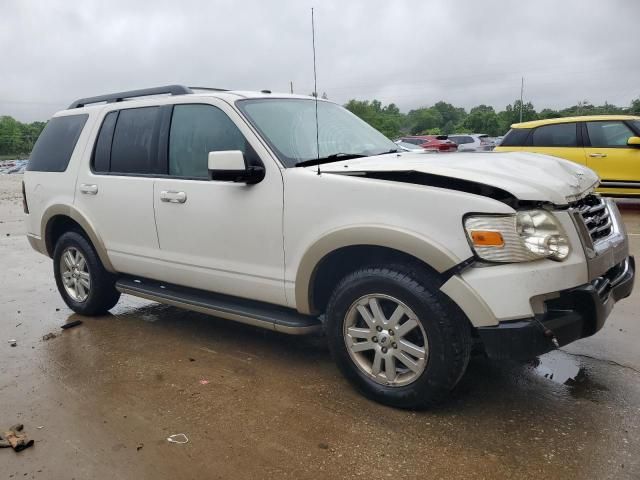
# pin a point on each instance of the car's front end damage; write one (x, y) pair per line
(541, 276)
(565, 315)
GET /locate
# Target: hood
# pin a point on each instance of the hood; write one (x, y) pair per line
(526, 176)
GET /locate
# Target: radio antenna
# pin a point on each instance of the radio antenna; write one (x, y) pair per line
(315, 85)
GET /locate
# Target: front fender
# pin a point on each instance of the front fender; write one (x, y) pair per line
(427, 250)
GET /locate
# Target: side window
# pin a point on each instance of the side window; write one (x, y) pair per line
(559, 135)
(56, 143)
(197, 130)
(102, 152)
(608, 134)
(516, 137)
(135, 141)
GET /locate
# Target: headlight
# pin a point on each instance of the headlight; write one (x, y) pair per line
(522, 237)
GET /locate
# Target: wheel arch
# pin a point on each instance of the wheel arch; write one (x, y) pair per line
(341, 251)
(58, 219)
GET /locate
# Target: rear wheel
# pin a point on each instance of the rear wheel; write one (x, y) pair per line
(84, 284)
(396, 337)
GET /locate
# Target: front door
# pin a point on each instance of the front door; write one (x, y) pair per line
(616, 163)
(220, 236)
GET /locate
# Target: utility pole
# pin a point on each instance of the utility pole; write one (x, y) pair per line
(521, 93)
(291, 85)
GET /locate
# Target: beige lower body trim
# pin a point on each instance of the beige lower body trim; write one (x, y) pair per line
(37, 244)
(474, 307)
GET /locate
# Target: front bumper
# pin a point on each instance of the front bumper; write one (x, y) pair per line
(576, 313)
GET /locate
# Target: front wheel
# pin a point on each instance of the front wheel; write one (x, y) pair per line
(84, 284)
(396, 337)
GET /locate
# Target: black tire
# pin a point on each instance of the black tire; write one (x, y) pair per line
(102, 295)
(447, 329)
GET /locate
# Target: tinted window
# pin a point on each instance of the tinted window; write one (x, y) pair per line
(197, 130)
(102, 152)
(461, 140)
(516, 137)
(56, 143)
(135, 141)
(608, 134)
(560, 135)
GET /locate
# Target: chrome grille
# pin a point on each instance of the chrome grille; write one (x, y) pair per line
(595, 214)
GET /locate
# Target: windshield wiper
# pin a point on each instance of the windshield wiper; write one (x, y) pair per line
(334, 157)
(393, 150)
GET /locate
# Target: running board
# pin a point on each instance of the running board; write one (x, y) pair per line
(251, 312)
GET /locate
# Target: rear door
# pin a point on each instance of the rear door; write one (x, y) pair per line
(617, 164)
(220, 236)
(559, 140)
(115, 191)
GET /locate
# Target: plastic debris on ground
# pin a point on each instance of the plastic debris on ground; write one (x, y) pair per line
(178, 438)
(75, 323)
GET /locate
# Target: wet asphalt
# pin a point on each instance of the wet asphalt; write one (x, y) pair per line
(101, 399)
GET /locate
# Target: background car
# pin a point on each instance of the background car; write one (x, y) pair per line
(409, 147)
(432, 142)
(472, 142)
(608, 144)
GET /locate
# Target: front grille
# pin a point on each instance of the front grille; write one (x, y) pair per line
(595, 214)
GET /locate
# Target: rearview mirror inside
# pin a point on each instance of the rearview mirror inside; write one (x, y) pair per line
(230, 166)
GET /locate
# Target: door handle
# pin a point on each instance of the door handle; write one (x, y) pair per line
(171, 196)
(88, 189)
(598, 155)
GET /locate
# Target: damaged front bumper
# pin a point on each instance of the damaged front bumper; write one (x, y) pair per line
(576, 313)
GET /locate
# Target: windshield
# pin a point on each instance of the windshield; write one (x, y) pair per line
(289, 126)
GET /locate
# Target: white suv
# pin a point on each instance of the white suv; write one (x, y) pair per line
(472, 142)
(240, 205)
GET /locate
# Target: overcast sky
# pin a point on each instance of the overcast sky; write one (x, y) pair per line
(412, 53)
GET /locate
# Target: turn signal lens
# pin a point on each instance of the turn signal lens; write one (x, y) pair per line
(486, 238)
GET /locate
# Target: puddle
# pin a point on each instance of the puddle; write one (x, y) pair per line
(559, 368)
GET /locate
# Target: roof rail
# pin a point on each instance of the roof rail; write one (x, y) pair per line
(213, 89)
(120, 96)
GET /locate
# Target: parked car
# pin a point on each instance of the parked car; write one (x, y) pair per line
(409, 147)
(432, 142)
(608, 144)
(472, 142)
(240, 205)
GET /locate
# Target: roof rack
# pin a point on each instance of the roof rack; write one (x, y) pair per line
(212, 89)
(120, 96)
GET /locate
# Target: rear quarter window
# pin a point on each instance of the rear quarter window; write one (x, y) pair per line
(557, 135)
(56, 143)
(516, 137)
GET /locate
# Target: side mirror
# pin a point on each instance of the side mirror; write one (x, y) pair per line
(634, 142)
(230, 166)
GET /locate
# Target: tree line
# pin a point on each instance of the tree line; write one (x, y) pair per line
(443, 118)
(17, 138)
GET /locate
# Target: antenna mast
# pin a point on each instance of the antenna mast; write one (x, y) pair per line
(521, 93)
(315, 85)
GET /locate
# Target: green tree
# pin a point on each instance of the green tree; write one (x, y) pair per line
(511, 114)
(386, 119)
(483, 119)
(423, 119)
(451, 116)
